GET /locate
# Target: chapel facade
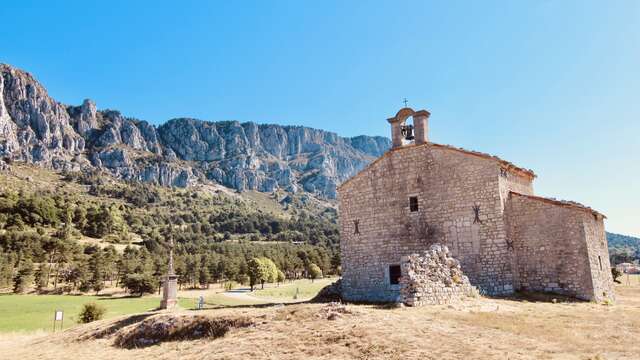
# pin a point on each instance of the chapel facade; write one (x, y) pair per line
(481, 207)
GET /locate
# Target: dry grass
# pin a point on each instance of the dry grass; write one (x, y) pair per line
(480, 328)
(169, 327)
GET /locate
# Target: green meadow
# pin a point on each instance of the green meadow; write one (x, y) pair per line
(26, 313)
(36, 312)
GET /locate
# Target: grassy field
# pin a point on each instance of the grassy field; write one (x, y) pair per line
(305, 288)
(478, 328)
(27, 313)
(35, 312)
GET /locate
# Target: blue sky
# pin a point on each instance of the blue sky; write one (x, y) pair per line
(550, 85)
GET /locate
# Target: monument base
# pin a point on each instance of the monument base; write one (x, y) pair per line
(168, 304)
(169, 292)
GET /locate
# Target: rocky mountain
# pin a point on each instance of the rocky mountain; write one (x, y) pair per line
(245, 156)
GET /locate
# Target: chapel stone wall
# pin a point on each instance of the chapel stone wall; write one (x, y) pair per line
(557, 248)
(460, 206)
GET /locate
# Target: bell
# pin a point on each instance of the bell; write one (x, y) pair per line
(407, 132)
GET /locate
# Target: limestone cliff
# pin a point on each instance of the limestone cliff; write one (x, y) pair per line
(37, 129)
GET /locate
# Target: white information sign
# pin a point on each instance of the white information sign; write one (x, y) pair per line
(59, 315)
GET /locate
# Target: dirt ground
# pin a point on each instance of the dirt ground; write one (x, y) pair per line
(482, 328)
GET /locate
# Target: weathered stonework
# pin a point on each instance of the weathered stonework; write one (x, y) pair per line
(433, 278)
(463, 200)
(558, 247)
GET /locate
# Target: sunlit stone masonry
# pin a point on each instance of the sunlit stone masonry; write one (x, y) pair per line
(481, 207)
(433, 278)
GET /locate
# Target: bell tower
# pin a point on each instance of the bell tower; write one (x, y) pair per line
(402, 134)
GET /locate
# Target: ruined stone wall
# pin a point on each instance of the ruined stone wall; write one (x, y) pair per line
(433, 277)
(448, 184)
(556, 248)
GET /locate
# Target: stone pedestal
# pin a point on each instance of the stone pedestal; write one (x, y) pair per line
(169, 292)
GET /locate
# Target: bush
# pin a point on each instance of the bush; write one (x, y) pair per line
(314, 272)
(91, 312)
(615, 273)
(140, 284)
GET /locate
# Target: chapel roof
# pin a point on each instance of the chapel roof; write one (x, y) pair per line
(506, 164)
(563, 203)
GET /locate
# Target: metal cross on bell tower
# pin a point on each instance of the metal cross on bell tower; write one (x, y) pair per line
(405, 102)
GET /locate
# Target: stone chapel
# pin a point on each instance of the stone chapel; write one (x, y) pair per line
(481, 207)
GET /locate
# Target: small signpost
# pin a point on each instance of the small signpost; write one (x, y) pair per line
(58, 316)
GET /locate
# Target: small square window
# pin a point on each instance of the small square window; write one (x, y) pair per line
(394, 274)
(413, 203)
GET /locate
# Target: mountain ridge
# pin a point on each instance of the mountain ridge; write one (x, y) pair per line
(180, 152)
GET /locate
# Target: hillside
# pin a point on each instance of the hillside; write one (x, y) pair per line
(244, 156)
(77, 231)
(623, 248)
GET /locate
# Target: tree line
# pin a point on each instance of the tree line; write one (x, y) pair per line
(217, 238)
(70, 267)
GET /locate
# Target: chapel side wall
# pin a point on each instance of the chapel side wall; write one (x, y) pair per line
(550, 247)
(448, 185)
(595, 236)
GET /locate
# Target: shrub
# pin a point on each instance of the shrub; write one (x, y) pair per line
(140, 284)
(615, 273)
(314, 272)
(91, 312)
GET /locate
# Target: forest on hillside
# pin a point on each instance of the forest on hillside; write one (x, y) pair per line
(623, 248)
(90, 231)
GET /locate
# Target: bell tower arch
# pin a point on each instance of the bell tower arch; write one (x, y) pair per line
(402, 134)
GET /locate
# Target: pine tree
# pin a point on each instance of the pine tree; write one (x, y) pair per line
(192, 269)
(7, 261)
(24, 278)
(78, 274)
(97, 270)
(41, 277)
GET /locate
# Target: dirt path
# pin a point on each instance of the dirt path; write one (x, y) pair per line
(243, 294)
